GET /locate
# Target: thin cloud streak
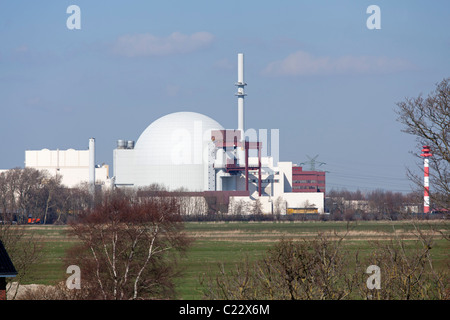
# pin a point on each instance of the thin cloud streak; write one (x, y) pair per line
(141, 45)
(302, 63)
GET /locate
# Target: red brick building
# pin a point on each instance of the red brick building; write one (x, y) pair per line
(307, 181)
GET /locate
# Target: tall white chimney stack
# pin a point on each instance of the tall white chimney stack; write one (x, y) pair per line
(240, 94)
(240, 67)
(92, 164)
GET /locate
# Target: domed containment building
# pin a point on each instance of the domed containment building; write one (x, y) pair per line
(172, 151)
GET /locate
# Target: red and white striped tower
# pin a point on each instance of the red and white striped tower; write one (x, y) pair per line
(426, 180)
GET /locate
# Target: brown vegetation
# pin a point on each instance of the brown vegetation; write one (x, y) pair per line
(322, 268)
(129, 247)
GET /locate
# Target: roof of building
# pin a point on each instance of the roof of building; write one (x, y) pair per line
(7, 268)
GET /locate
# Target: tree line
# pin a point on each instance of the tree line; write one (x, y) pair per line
(374, 205)
(39, 195)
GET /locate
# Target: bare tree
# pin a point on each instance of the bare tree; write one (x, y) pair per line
(407, 267)
(256, 208)
(239, 207)
(25, 249)
(20, 193)
(129, 247)
(428, 119)
(279, 206)
(51, 195)
(72, 202)
(9, 184)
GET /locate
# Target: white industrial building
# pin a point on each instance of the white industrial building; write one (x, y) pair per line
(192, 152)
(74, 166)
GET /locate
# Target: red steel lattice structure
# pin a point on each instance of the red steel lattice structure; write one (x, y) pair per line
(232, 139)
(426, 180)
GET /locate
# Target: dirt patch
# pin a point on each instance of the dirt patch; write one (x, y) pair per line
(21, 289)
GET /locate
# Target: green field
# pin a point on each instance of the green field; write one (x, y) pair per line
(230, 242)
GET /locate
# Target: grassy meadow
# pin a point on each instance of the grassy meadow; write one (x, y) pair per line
(229, 243)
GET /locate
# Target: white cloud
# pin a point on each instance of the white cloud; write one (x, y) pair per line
(303, 63)
(146, 44)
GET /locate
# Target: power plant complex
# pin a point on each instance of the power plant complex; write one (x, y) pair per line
(195, 155)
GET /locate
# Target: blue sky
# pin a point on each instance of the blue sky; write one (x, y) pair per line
(314, 71)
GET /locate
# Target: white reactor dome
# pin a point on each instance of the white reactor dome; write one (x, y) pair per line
(177, 138)
(173, 151)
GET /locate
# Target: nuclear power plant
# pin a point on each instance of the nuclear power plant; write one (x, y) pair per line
(192, 153)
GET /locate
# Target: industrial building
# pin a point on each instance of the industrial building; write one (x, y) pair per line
(307, 181)
(73, 166)
(192, 152)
